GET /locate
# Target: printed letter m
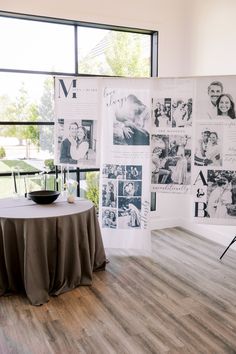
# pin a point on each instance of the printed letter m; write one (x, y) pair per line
(63, 88)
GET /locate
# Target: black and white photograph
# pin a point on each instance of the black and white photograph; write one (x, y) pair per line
(131, 121)
(221, 194)
(180, 159)
(134, 172)
(216, 98)
(208, 145)
(109, 218)
(130, 188)
(182, 109)
(128, 193)
(109, 193)
(160, 169)
(171, 159)
(114, 171)
(161, 112)
(129, 212)
(75, 142)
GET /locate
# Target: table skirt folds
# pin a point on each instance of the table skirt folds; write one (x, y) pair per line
(49, 256)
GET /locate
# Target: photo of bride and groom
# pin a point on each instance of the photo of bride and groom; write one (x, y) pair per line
(208, 148)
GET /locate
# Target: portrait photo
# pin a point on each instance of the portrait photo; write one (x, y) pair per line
(215, 98)
(109, 218)
(109, 193)
(75, 142)
(208, 145)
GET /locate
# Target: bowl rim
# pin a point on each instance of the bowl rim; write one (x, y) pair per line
(44, 193)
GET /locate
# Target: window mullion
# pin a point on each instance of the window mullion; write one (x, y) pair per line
(76, 50)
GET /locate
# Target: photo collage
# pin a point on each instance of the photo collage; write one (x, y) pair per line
(121, 196)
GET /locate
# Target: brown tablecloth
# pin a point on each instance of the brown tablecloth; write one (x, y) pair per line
(43, 256)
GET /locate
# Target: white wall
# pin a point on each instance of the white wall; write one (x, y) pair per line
(213, 35)
(196, 37)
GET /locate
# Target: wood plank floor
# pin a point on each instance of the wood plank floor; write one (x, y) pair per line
(180, 300)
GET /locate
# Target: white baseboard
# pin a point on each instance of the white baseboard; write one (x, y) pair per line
(157, 224)
(220, 234)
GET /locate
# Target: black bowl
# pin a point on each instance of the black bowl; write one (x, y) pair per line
(43, 197)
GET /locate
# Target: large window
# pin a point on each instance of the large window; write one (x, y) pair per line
(33, 51)
(115, 53)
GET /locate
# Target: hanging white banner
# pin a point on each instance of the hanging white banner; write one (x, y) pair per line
(76, 122)
(171, 141)
(125, 167)
(214, 166)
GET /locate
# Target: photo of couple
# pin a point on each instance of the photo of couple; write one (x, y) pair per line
(109, 218)
(131, 121)
(208, 148)
(109, 194)
(221, 196)
(175, 113)
(181, 113)
(75, 141)
(130, 189)
(217, 98)
(171, 159)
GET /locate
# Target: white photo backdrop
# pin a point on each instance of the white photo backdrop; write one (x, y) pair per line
(174, 135)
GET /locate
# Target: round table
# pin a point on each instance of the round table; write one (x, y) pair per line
(48, 249)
